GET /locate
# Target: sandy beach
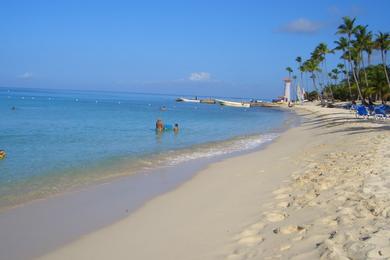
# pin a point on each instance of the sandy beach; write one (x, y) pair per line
(321, 190)
(195, 130)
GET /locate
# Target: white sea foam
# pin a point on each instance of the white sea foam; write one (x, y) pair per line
(218, 148)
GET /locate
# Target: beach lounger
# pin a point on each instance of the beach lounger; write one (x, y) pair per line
(350, 107)
(380, 113)
(361, 111)
(371, 109)
(386, 108)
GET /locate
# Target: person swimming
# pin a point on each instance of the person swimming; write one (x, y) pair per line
(176, 128)
(159, 125)
(2, 154)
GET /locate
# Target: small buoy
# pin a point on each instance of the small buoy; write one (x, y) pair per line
(2, 154)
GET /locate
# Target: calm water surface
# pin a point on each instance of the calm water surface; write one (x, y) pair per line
(56, 140)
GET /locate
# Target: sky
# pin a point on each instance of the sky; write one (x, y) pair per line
(215, 47)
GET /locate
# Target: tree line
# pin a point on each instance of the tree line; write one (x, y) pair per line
(354, 77)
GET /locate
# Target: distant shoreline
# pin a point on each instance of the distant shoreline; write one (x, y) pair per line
(173, 95)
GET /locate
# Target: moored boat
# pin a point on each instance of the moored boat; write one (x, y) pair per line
(207, 101)
(232, 103)
(181, 99)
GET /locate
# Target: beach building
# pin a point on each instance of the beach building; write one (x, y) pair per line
(287, 89)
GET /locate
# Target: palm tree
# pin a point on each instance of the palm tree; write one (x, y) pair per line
(368, 47)
(378, 79)
(382, 43)
(348, 29)
(289, 70)
(321, 51)
(299, 60)
(335, 75)
(362, 43)
(317, 58)
(340, 66)
(342, 45)
(311, 66)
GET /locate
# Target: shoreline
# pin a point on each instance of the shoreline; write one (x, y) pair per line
(222, 210)
(184, 187)
(210, 151)
(98, 205)
(54, 156)
(246, 207)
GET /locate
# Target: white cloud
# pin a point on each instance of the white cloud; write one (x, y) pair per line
(26, 75)
(199, 76)
(301, 25)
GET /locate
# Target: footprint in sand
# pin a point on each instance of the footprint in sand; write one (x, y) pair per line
(275, 216)
(286, 230)
(291, 229)
(379, 253)
(329, 221)
(250, 236)
(284, 204)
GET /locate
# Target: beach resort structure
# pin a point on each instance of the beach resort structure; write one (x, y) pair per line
(287, 90)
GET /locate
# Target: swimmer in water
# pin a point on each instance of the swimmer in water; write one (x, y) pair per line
(159, 125)
(2, 154)
(176, 128)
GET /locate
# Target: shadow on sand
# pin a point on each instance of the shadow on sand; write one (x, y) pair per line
(327, 122)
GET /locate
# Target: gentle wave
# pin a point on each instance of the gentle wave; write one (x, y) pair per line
(214, 149)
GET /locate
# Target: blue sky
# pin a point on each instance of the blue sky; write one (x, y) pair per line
(234, 48)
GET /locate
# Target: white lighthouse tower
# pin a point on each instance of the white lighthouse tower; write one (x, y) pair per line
(287, 89)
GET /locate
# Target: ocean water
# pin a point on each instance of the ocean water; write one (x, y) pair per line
(57, 140)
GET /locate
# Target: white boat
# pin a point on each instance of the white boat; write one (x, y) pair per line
(188, 100)
(232, 103)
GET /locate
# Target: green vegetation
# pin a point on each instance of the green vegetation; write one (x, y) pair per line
(355, 77)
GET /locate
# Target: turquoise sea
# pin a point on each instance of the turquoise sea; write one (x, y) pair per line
(57, 140)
